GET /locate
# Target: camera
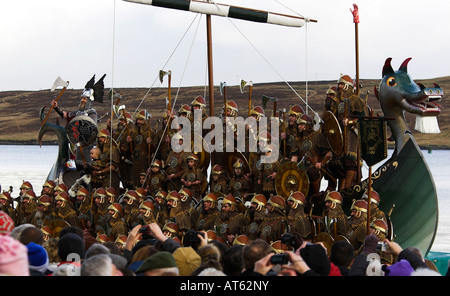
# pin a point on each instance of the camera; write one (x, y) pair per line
(279, 259)
(292, 239)
(382, 246)
(144, 229)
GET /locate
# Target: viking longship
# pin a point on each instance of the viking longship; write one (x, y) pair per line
(403, 181)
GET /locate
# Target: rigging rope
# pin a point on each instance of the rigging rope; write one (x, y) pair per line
(179, 87)
(112, 83)
(267, 61)
(157, 77)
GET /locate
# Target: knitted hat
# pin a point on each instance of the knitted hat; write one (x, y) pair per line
(187, 260)
(400, 268)
(70, 245)
(6, 224)
(37, 257)
(161, 259)
(370, 244)
(13, 257)
(316, 258)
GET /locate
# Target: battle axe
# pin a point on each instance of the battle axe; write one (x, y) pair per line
(58, 82)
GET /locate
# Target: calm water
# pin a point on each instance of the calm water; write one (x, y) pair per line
(32, 163)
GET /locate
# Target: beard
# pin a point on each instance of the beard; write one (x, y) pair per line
(224, 215)
(82, 106)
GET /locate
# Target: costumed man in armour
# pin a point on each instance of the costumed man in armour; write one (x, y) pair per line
(161, 209)
(239, 185)
(333, 211)
(208, 213)
(48, 188)
(171, 230)
(155, 178)
(123, 135)
(44, 210)
(291, 132)
(357, 224)
(219, 180)
(313, 148)
(142, 136)
(379, 228)
(146, 213)
(61, 187)
(252, 133)
(188, 203)
(334, 168)
(176, 164)
(193, 177)
(230, 223)
(27, 206)
(349, 104)
(232, 111)
(131, 201)
(266, 172)
(111, 193)
(105, 167)
(84, 208)
(26, 185)
(330, 100)
(274, 224)
(101, 205)
(256, 214)
(93, 91)
(298, 221)
(163, 138)
(64, 211)
(177, 214)
(375, 212)
(6, 205)
(198, 104)
(115, 226)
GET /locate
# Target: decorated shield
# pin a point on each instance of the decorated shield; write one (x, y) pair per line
(231, 159)
(290, 178)
(333, 133)
(82, 130)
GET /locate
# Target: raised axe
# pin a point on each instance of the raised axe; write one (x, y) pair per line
(58, 82)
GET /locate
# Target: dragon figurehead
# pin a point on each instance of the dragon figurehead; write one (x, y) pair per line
(398, 93)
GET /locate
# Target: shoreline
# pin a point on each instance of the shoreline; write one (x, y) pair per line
(55, 143)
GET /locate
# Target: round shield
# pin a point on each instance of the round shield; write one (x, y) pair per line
(326, 239)
(231, 158)
(340, 237)
(290, 178)
(333, 132)
(83, 130)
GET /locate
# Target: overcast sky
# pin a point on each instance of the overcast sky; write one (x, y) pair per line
(74, 39)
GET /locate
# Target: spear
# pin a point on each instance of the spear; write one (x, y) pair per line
(355, 13)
